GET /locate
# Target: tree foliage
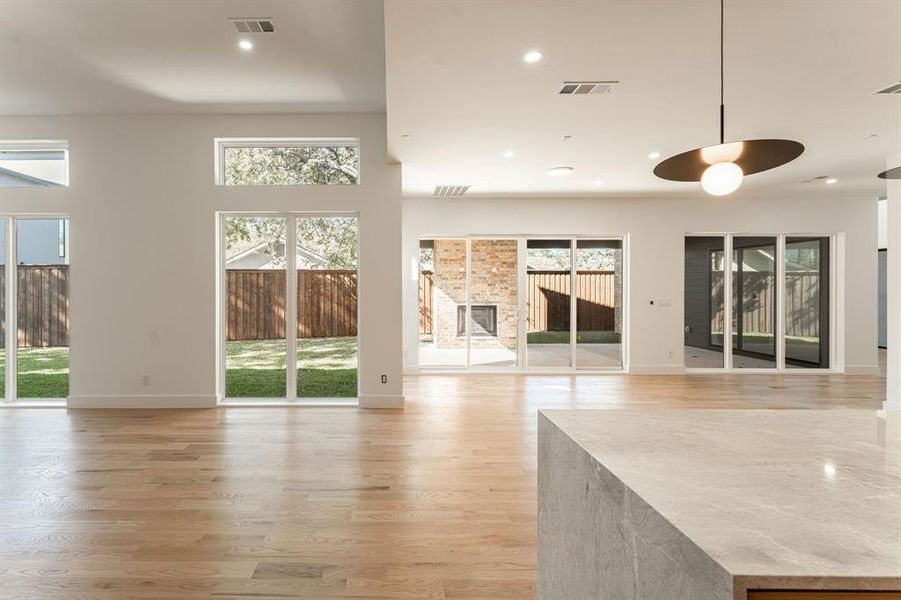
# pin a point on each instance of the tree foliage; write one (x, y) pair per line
(303, 165)
(333, 238)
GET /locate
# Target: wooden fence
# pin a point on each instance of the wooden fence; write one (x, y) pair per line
(256, 307)
(43, 306)
(802, 303)
(549, 301)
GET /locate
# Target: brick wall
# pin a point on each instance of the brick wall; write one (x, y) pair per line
(493, 282)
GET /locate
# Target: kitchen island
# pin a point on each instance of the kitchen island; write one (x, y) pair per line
(719, 505)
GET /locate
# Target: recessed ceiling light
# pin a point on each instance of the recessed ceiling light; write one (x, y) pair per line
(831, 181)
(245, 45)
(559, 171)
(654, 155)
(509, 154)
(532, 56)
(598, 182)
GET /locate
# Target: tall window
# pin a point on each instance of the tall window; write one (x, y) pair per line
(288, 162)
(289, 307)
(34, 163)
(34, 309)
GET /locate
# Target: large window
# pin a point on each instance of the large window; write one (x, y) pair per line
(289, 313)
(287, 162)
(777, 288)
(494, 303)
(34, 163)
(34, 298)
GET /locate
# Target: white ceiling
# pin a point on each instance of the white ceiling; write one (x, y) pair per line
(181, 56)
(797, 69)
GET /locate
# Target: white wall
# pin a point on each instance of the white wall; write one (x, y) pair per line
(142, 204)
(656, 228)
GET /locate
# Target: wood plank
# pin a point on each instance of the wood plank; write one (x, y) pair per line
(324, 503)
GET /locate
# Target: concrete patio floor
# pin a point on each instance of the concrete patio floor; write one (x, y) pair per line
(602, 356)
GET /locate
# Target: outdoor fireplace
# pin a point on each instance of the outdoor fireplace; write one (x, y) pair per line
(484, 320)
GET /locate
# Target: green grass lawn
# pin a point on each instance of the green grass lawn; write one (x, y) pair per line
(43, 372)
(582, 337)
(327, 368)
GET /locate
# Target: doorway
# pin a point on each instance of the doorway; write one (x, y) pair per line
(521, 303)
(778, 291)
(288, 307)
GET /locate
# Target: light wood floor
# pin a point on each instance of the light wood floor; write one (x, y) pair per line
(434, 501)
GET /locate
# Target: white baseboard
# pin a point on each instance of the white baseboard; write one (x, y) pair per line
(381, 401)
(862, 370)
(411, 370)
(656, 369)
(141, 402)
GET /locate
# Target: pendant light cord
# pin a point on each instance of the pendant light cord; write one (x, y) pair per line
(722, 105)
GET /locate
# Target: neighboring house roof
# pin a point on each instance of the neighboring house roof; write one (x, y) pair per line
(26, 179)
(257, 257)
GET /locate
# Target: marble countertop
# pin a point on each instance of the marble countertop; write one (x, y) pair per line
(765, 493)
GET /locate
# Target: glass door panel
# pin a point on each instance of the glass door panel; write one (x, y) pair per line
(442, 295)
(754, 302)
(806, 303)
(599, 303)
(255, 346)
(704, 302)
(42, 277)
(493, 303)
(548, 302)
(327, 346)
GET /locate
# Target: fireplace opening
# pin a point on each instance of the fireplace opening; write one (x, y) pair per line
(484, 320)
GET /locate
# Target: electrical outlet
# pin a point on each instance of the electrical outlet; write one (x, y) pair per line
(145, 380)
(669, 354)
(384, 379)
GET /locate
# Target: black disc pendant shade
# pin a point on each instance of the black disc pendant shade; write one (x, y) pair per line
(753, 156)
(894, 173)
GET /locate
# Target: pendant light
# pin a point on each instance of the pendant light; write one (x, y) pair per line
(894, 173)
(722, 168)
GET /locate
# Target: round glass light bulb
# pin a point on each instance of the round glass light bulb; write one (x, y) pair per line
(722, 178)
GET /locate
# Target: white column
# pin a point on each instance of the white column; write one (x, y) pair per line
(893, 285)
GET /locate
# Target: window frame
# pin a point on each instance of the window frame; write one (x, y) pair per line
(221, 144)
(39, 146)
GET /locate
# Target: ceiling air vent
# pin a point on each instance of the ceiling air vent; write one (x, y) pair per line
(579, 88)
(895, 88)
(444, 191)
(253, 25)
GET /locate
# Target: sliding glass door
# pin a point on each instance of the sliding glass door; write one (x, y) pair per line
(704, 302)
(599, 303)
(507, 303)
(778, 290)
(754, 302)
(493, 304)
(549, 287)
(807, 302)
(289, 314)
(443, 273)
